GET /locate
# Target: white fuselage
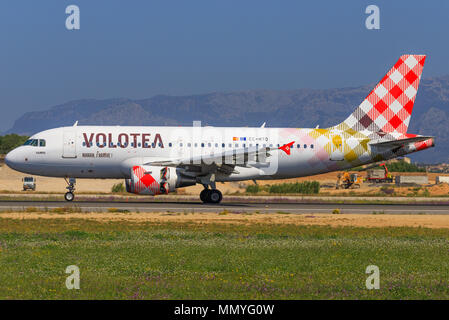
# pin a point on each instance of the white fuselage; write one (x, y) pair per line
(110, 151)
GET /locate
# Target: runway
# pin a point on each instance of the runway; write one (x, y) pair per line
(233, 207)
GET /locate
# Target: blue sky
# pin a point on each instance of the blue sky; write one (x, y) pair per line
(138, 49)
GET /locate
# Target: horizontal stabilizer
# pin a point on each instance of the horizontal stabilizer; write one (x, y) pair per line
(400, 142)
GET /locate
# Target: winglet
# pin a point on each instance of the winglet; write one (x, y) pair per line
(286, 147)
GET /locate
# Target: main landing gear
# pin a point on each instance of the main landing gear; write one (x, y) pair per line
(211, 196)
(70, 194)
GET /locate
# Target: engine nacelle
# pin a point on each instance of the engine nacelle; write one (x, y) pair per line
(152, 180)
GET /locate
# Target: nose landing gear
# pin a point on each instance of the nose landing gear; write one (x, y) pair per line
(70, 195)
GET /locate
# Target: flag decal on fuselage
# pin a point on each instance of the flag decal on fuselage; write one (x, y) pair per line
(286, 147)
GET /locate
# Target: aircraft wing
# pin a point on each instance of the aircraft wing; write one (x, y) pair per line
(227, 159)
(400, 142)
(230, 158)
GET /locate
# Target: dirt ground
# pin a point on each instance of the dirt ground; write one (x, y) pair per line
(11, 181)
(333, 220)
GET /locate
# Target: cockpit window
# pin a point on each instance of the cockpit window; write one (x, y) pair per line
(28, 142)
(35, 142)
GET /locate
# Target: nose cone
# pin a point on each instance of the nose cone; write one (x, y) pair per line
(12, 159)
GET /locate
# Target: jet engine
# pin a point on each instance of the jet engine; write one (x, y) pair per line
(153, 180)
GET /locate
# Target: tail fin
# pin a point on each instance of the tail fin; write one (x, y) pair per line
(389, 106)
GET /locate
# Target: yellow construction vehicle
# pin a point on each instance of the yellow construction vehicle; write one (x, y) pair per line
(348, 181)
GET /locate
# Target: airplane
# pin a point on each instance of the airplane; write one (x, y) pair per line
(159, 160)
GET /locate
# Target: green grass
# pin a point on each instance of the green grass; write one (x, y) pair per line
(123, 260)
(118, 188)
(306, 187)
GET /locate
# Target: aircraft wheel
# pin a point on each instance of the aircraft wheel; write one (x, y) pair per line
(204, 195)
(214, 196)
(69, 196)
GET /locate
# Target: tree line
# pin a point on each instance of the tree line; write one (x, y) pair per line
(11, 141)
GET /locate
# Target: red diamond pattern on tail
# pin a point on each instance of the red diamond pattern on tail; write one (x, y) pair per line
(396, 92)
(381, 106)
(421, 62)
(411, 77)
(392, 99)
(395, 122)
(409, 107)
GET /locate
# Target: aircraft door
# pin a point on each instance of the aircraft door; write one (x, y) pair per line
(337, 151)
(69, 143)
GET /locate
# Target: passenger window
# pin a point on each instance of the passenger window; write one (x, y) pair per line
(311, 146)
(222, 145)
(305, 146)
(202, 145)
(189, 144)
(298, 146)
(209, 145)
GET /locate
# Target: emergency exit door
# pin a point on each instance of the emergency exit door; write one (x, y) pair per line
(69, 144)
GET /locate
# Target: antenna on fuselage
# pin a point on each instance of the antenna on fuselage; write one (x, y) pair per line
(263, 125)
(76, 123)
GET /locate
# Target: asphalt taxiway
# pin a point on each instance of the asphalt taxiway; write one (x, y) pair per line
(236, 207)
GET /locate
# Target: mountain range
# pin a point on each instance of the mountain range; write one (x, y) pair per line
(294, 108)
